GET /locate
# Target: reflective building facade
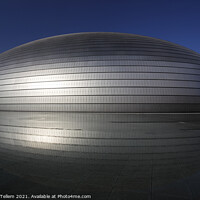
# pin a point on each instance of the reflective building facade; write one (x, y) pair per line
(100, 72)
(114, 115)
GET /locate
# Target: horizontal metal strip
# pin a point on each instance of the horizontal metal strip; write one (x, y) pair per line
(126, 91)
(104, 99)
(102, 69)
(105, 52)
(23, 66)
(102, 76)
(104, 58)
(138, 46)
(10, 90)
(97, 69)
(86, 104)
(106, 82)
(51, 54)
(98, 48)
(101, 108)
(70, 45)
(98, 59)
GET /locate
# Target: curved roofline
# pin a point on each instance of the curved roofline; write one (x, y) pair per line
(80, 33)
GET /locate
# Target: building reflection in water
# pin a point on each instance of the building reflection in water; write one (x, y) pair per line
(105, 155)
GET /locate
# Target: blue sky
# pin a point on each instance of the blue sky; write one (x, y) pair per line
(23, 21)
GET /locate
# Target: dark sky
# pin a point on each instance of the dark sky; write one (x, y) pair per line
(23, 21)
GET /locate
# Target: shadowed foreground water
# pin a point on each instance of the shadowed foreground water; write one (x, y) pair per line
(109, 156)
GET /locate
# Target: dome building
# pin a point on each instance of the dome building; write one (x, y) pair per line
(100, 72)
(94, 105)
